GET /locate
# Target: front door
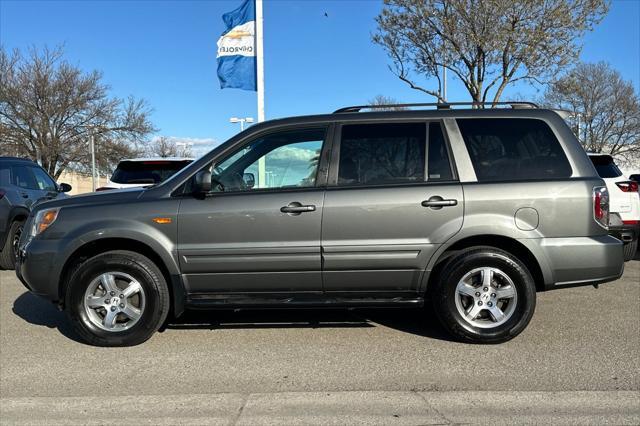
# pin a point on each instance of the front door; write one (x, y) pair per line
(392, 199)
(259, 228)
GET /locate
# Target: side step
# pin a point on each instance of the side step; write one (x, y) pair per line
(302, 300)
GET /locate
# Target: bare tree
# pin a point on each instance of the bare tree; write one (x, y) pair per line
(162, 147)
(605, 109)
(385, 100)
(49, 108)
(486, 44)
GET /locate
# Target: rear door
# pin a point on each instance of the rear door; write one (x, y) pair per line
(392, 199)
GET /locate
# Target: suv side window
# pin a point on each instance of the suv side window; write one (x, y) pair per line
(504, 149)
(43, 180)
(23, 178)
(291, 159)
(439, 166)
(378, 154)
(5, 175)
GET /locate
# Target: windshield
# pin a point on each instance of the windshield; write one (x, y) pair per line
(605, 166)
(146, 172)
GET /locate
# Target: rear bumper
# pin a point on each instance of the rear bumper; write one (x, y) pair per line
(577, 261)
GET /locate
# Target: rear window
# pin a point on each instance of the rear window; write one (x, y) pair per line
(605, 166)
(513, 149)
(146, 172)
(379, 154)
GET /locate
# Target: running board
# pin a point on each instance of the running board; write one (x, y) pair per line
(298, 301)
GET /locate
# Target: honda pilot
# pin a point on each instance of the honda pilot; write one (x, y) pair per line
(468, 212)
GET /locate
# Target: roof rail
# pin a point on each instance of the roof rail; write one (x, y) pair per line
(448, 105)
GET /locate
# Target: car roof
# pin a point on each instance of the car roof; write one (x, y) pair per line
(432, 114)
(176, 159)
(597, 154)
(16, 159)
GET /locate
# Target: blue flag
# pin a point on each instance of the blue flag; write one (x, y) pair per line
(236, 48)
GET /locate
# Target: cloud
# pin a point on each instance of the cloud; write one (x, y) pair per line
(292, 153)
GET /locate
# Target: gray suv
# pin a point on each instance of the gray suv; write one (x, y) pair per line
(471, 211)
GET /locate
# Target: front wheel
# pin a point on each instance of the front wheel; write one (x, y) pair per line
(9, 253)
(484, 295)
(118, 298)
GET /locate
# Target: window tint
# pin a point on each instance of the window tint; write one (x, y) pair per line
(5, 174)
(289, 160)
(43, 181)
(376, 154)
(605, 166)
(146, 172)
(23, 178)
(513, 149)
(439, 167)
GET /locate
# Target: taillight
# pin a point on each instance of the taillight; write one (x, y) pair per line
(1, 193)
(601, 205)
(629, 186)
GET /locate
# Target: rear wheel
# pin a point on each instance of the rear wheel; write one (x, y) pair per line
(9, 252)
(630, 250)
(118, 298)
(484, 295)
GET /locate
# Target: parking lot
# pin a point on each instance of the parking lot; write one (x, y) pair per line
(580, 354)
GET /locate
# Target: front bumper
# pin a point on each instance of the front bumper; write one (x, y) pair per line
(36, 267)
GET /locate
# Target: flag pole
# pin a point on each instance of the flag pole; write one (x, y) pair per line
(260, 84)
(260, 60)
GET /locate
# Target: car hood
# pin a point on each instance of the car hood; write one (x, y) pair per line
(94, 198)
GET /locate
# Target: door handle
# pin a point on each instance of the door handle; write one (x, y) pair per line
(437, 202)
(24, 195)
(296, 208)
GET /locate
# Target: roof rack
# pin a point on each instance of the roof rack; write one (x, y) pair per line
(439, 105)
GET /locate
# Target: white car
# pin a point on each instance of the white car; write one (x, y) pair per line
(136, 172)
(624, 203)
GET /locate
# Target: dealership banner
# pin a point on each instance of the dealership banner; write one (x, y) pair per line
(237, 48)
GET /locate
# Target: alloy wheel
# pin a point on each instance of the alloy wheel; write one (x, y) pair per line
(114, 301)
(486, 297)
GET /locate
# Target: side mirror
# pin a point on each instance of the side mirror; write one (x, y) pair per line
(202, 182)
(249, 180)
(64, 187)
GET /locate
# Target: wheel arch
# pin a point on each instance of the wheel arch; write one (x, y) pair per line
(95, 247)
(15, 214)
(18, 213)
(501, 242)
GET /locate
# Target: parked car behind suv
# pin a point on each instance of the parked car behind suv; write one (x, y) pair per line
(23, 183)
(624, 220)
(474, 210)
(138, 172)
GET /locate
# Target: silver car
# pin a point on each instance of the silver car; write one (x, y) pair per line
(473, 210)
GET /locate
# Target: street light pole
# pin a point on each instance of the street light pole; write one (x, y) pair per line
(93, 163)
(444, 83)
(241, 121)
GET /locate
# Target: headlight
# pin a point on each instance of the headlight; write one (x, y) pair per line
(43, 220)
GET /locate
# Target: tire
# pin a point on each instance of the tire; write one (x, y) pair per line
(630, 250)
(89, 302)
(455, 295)
(9, 251)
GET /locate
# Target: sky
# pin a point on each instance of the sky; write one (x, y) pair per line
(165, 53)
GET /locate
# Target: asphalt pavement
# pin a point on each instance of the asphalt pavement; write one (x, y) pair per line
(578, 362)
